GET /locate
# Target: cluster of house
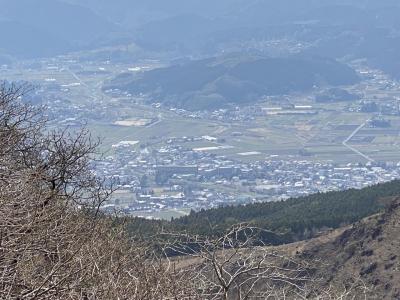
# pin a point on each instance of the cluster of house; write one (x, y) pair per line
(174, 177)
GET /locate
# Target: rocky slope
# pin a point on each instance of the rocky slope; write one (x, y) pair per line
(361, 261)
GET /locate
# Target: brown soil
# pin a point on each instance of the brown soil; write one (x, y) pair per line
(362, 260)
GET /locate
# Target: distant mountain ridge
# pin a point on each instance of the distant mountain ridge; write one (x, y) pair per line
(218, 82)
(38, 28)
(351, 29)
(338, 28)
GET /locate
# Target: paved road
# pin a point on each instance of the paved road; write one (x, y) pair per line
(157, 122)
(354, 149)
(76, 77)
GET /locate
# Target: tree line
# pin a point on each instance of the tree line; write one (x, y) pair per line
(286, 221)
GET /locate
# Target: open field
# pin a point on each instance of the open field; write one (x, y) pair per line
(321, 141)
(311, 137)
(162, 215)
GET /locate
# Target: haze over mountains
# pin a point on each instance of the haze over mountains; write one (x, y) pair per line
(47, 27)
(253, 144)
(357, 29)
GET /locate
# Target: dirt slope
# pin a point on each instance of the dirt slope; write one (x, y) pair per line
(362, 261)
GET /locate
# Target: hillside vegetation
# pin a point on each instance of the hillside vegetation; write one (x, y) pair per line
(215, 83)
(364, 258)
(355, 29)
(56, 244)
(285, 221)
(340, 29)
(359, 261)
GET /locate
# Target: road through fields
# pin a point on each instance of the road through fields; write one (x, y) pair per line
(345, 142)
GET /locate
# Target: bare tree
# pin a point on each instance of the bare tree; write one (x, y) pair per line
(54, 242)
(237, 266)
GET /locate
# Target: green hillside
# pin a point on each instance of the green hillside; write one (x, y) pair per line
(291, 220)
(217, 82)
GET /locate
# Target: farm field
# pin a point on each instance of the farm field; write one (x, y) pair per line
(318, 137)
(323, 140)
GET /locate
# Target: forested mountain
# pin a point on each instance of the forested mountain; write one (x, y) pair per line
(242, 11)
(134, 13)
(215, 83)
(288, 221)
(336, 29)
